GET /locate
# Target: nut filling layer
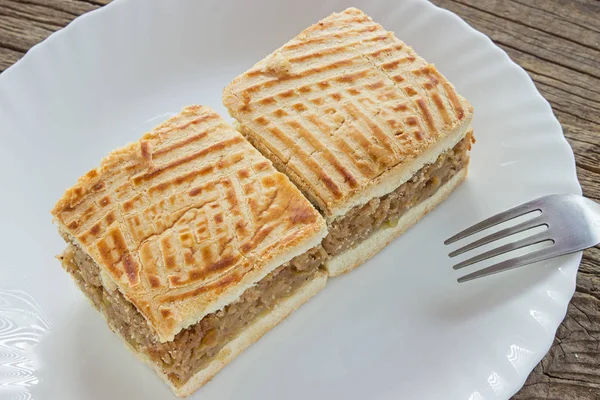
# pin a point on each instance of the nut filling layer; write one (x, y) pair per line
(194, 347)
(361, 221)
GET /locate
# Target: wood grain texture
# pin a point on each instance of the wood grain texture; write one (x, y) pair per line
(558, 43)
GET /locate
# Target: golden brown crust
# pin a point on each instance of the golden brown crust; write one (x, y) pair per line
(343, 103)
(186, 218)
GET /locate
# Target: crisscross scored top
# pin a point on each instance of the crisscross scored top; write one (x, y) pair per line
(187, 218)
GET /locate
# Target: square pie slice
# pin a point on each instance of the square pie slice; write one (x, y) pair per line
(191, 245)
(370, 132)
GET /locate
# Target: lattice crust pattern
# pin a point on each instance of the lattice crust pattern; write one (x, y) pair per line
(184, 215)
(342, 103)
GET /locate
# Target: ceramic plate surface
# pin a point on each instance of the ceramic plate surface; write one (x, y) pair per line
(398, 327)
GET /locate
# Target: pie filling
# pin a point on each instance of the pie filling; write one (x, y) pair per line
(194, 347)
(361, 221)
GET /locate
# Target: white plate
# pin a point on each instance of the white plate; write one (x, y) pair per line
(398, 327)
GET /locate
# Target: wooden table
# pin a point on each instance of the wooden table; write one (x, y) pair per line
(558, 43)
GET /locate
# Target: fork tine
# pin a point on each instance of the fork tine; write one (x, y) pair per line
(535, 256)
(532, 223)
(495, 220)
(540, 237)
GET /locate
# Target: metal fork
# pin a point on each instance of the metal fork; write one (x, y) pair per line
(572, 224)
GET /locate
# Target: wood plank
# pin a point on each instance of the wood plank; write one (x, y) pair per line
(74, 8)
(20, 35)
(538, 18)
(582, 13)
(532, 41)
(8, 57)
(50, 17)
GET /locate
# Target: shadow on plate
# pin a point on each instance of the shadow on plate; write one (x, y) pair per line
(83, 359)
(483, 295)
(469, 300)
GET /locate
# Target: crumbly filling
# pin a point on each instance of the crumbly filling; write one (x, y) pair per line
(361, 221)
(193, 348)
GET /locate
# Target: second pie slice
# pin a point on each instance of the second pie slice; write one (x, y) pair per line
(370, 132)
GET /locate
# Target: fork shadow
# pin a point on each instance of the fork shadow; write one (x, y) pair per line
(481, 296)
(474, 298)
